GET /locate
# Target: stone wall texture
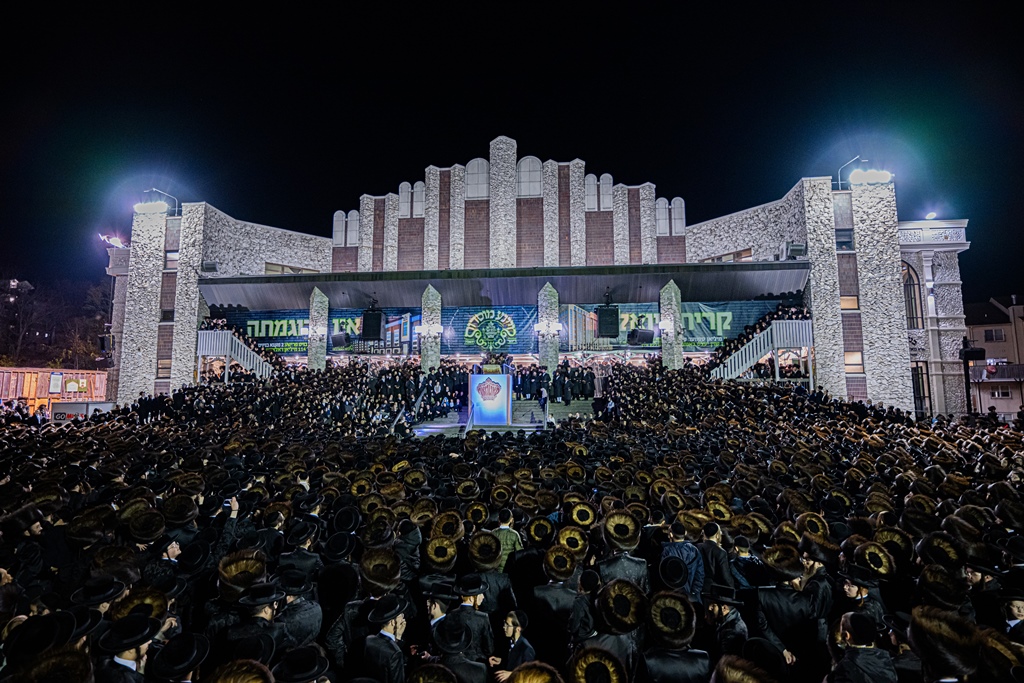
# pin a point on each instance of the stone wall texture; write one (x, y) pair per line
(550, 180)
(577, 213)
(671, 349)
(391, 232)
(457, 218)
(137, 371)
(430, 345)
(620, 224)
(648, 224)
(318, 329)
(117, 331)
(431, 206)
(364, 261)
(547, 312)
(503, 203)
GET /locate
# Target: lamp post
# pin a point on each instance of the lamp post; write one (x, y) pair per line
(839, 173)
(157, 206)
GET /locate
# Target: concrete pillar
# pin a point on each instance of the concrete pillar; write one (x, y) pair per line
(547, 314)
(822, 292)
(390, 233)
(620, 224)
(364, 257)
(943, 271)
(316, 353)
(457, 218)
(431, 219)
(503, 194)
(671, 329)
(577, 213)
(648, 225)
(142, 308)
(430, 343)
(550, 179)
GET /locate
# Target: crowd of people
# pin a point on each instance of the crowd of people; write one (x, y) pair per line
(783, 311)
(271, 357)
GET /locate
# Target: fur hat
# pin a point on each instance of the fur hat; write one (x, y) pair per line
(559, 563)
(875, 557)
(442, 553)
(239, 570)
(144, 600)
(596, 665)
(485, 551)
(733, 669)
(575, 539)
(673, 619)
(540, 531)
(381, 570)
(622, 606)
(939, 547)
(938, 587)
(621, 531)
(146, 526)
(784, 560)
(448, 524)
(812, 523)
(946, 642)
(818, 548)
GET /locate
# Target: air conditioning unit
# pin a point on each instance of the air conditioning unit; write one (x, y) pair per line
(793, 250)
(209, 267)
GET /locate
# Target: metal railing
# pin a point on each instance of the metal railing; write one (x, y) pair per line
(1002, 373)
(415, 410)
(225, 343)
(469, 422)
(781, 334)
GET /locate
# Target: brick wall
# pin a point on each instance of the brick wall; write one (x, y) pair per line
(164, 341)
(564, 245)
(344, 259)
(378, 235)
(410, 244)
(600, 246)
(444, 210)
(478, 234)
(635, 254)
(672, 249)
(168, 285)
(848, 279)
(853, 333)
(857, 388)
(530, 232)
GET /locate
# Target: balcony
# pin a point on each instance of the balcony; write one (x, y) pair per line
(1003, 373)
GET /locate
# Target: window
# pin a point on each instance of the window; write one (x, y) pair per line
(339, 228)
(912, 297)
(745, 255)
(167, 315)
(591, 184)
(849, 303)
(678, 216)
(999, 391)
(352, 230)
(995, 335)
(854, 362)
(417, 199)
(280, 269)
(844, 239)
(163, 369)
(529, 177)
(661, 216)
(606, 192)
(404, 200)
(478, 181)
(922, 393)
(170, 260)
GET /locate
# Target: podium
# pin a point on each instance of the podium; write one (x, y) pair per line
(490, 399)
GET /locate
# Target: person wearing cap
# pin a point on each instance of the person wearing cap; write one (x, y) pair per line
(857, 585)
(470, 588)
(519, 652)
(862, 662)
(383, 658)
(783, 612)
(723, 612)
(179, 659)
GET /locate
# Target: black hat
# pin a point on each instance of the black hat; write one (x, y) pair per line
(470, 585)
(673, 618)
(862, 629)
(440, 590)
(294, 582)
(453, 636)
(764, 654)
(193, 558)
(673, 572)
(301, 665)
(258, 594)
(301, 531)
(180, 509)
(87, 621)
(39, 634)
(723, 595)
(182, 654)
(859, 576)
(259, 647)
(387, 608)
(128, 633)
(346, 519)
(97, 591)
(338, 547)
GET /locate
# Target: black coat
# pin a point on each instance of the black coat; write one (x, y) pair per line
(625, 566)
(716, 564)
(559, 615)
(732, 634)
(863, 665)
(499, 598)
(253, 626)
(383, 659)
(625, 647)
(302, 620)
(307, 562)
(661, 665)
(465, 670)
(520, 653)
(482, 639)
(786, 618)
(109, 671)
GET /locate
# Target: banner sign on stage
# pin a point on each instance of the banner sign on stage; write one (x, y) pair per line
(490, 399)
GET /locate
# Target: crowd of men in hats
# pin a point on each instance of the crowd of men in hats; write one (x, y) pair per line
(702, 531)
(783, 311)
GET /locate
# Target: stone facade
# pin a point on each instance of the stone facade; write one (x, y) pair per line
(577, 213)
(364, 260)
(391, 232)
(620, 224)
(671, 333)
(547, 313)
(142, 308)
(431, 224)
(457, 218)
(430, 344)
(117, 323)
(503, 193)
(648, 224)
(550, 171)
(318, 325)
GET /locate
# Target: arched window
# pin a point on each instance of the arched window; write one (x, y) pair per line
(417, 199)
(404, 200)
(661, 216)
(678, 216)
(606, 192)
(352, 234)
(529, 177)
(912, 297)
(339, 228)
(591, 184)
(478, 180)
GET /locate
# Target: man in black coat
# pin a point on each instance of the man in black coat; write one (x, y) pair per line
(383, 658)
(622, 531)
(301, 617)
(301, 536)
(716, 560)
(471, 589)
(674, 622)
(785, 616)
(862, 662)
(723, 608)
(559, 614)
(261, 600)
(453, 639)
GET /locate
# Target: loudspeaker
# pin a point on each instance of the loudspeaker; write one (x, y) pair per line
(636, 337)
(373, 325)
(340, 340)
(607, 321)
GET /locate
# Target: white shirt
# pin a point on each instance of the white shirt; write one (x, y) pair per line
(125, 662)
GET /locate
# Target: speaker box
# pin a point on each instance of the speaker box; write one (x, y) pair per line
(373, 326)
(637, 337)
(340, 340)
(607, 321)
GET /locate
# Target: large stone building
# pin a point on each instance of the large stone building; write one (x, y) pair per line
(887, 309)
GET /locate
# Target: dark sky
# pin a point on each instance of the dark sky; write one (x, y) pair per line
(282, 122)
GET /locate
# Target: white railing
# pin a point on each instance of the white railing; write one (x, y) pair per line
(781, 334)
(225, 343)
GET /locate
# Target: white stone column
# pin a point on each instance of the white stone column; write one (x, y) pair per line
(187, 310)
(431, 220)
(882, 305)
(390, 232)
(503, 202)
(550, 179)
(671, 330)
(620, 224)
(430, 343)
(648, 225)
(577, 213)
(547, 314)
(457, 218)
(944, 274)
(364, 257)
(316, 353)
(142, 308)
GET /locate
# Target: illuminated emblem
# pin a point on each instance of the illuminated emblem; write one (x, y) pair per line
(488, 389)
(490, 330)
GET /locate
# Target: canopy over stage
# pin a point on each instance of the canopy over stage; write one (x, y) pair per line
(512, 286)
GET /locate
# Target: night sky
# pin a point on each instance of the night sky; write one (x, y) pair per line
(282, 122)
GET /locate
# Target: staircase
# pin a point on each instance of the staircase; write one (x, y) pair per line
(781, 334)
(224, 344)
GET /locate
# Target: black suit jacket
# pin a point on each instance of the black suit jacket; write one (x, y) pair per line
(307, 562)
(465, 671)
(559, 615)
(716, 564)
(383, 659)
(661, 665)
(785, 617)
(625, 566)
(302, 620)
(482, 644)
(520, 653)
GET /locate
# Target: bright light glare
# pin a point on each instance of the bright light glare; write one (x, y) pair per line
(869, 177)
(931, 215)
(151, 207)
(114, 241)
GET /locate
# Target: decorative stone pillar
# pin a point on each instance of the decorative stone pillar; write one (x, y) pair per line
(550, 179)
(577, 213)
(457, 218)
(547, 317)
(390, 232)
(620, 224)
(948, 302)
(430, 340)
(648, 225)
(502, 204)
(364, 257)
(118, 269)
(671, 330)
(316, 352)
(431, 219)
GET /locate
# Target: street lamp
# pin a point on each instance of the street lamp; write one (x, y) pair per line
(158, 206)
(839, 173)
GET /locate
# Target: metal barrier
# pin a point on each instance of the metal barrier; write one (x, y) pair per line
(781, 334)
(225, 343)
(415, 410)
